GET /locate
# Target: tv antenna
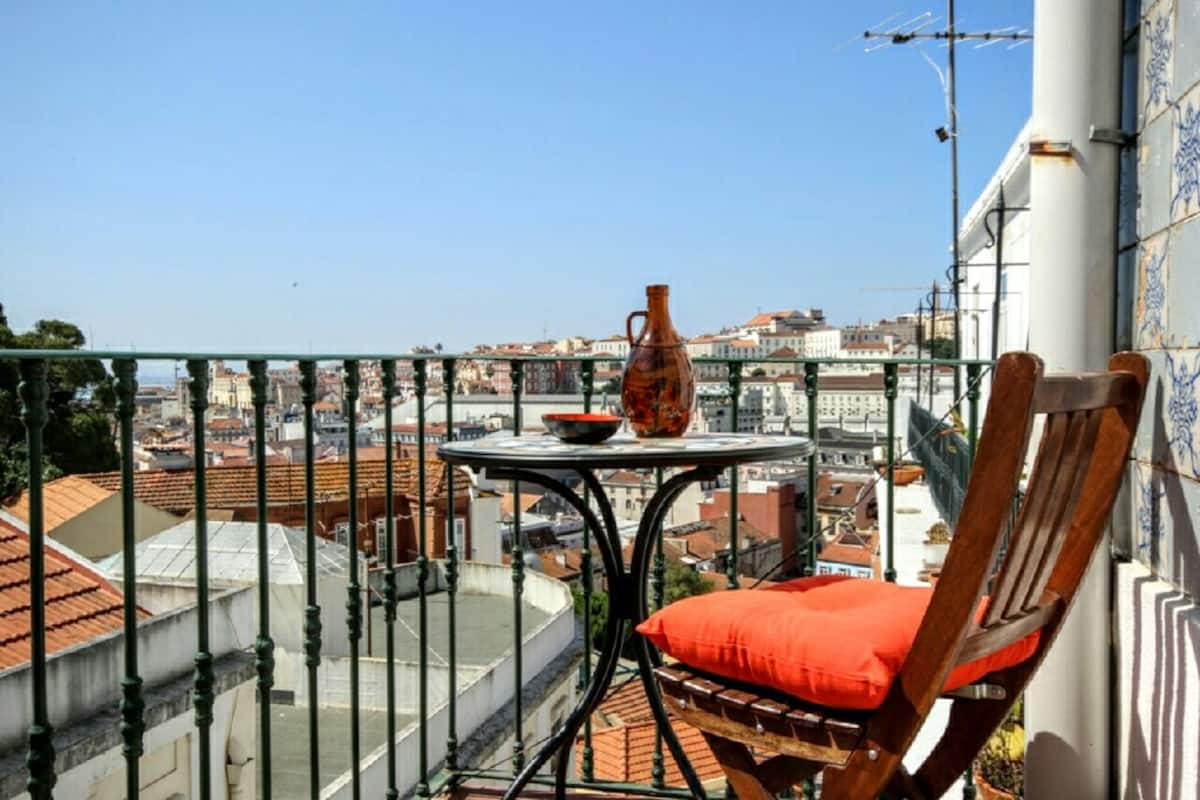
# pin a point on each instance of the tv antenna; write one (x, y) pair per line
(926, 27)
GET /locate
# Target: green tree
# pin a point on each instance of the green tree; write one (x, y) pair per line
(942, 348)
(599, 613)
(78, 436)
(683, 581)
(758, 372)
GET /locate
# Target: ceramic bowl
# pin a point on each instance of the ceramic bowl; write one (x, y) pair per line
(582, 428)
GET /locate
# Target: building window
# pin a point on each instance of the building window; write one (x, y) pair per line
(380, 538)
(460, 537)
(341, 533)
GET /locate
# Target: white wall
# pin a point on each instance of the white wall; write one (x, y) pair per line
(1158, 687)
(170, 766)
(86, 678)
(483, 693)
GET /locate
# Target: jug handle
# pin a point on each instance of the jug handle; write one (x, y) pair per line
(629, 325)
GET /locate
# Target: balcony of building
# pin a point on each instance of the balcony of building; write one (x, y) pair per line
(219, 640)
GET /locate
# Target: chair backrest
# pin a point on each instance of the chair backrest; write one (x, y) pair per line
(1088, 425)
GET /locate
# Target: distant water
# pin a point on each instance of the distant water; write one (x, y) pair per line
(166, 379)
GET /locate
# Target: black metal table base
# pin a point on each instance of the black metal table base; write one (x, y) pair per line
(628, 604)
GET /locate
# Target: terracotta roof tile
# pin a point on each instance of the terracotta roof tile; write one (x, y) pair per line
(528, 501)
(626, 754)
(234, 486)
(80, 603)
(852, 547)
(706, 538)
(62, 500)
(767, 317)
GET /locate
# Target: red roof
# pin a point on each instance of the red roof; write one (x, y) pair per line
(839, 491)
(852, 547)
(706, 538)
(80, 603)
(234, 486)
(767, 318)
(626, 754)
(623, 741)
(62, 500)
(869, 382)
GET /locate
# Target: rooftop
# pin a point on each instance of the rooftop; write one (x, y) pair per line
(170, 556)
(234, 486)
(80, 603)
(63, 500)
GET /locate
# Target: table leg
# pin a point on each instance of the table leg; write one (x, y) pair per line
(614, 632)
(648, 657)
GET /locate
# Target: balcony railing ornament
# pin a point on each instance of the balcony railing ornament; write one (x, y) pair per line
(40, 758)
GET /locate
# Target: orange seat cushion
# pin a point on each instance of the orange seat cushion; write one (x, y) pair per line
(831, 640)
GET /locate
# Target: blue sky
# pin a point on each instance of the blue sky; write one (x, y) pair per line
(370, 177)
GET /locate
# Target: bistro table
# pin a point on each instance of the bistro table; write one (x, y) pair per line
(702, 457)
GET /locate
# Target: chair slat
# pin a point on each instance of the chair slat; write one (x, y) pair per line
(989, 640)
(804, 719)
(701, 687)
(1036, 501)
(1047, 524)
(767, 707)
(1057, 394)
(1052, 543)
(736, 699)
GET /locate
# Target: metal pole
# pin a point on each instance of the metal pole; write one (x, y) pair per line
(954, 184)
(920, 338)
(933, 330)
(999, 270)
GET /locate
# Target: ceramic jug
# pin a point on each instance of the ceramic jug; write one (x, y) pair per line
(658, 387)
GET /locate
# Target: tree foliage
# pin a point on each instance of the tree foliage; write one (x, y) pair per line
(942, 348)
(683, 581)
(680, 581)
(78, 436)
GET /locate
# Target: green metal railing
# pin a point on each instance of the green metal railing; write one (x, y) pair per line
(946, 454)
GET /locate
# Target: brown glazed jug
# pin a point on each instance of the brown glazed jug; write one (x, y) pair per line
(658, 387)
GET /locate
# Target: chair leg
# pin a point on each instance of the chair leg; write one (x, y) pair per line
(902, 786)
(971, 723)
(739, 767)
(863, 776)
(782, 772)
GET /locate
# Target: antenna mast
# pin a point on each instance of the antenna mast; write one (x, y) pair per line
(914, 31)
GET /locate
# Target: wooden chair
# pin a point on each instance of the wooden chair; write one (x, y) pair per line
(1089, 425)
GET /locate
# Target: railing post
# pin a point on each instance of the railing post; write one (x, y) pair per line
(388, 373)
(518, 578)
(889, 393)
(735, 391)
(972, 410)
(312, 611)
(133, 707)
(264, 645)
(353, 588)
(419, 388)
(452, 557)
(810, 392)
(202, 693)
(40, 759)
(657, 583)
(587, 378)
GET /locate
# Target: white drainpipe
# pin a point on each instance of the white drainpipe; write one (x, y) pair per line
(1073, 180)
